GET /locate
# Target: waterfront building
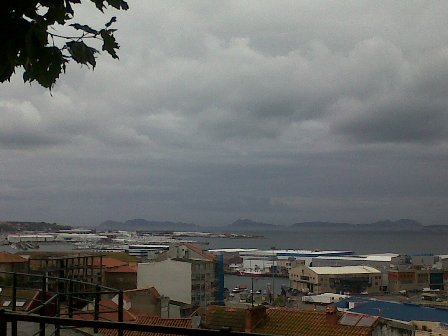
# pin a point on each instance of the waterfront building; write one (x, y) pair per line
(413, 279)
(345, 279)
(31, 238)
(382, 261)
(275, 260)
(81, 237)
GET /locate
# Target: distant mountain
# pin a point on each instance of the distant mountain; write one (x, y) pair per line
(143, 224)
(250, 225)
(401, 224)
(386, 225)
(13, 226)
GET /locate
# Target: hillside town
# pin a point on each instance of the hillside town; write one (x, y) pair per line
(180, 283)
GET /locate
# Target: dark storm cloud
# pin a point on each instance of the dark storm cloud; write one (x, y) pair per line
(276, 111)
(407, 120)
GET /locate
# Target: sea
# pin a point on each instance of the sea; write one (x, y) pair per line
(366, 242)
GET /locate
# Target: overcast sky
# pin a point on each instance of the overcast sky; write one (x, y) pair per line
(278, 111)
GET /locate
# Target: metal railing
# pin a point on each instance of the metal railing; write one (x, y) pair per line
(58, 298)
(58, 303)
(120, 327)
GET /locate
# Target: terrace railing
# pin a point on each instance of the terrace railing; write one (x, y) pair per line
(53, 297)
(58, 304)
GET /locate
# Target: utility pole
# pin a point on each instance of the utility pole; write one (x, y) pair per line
(252, 292)
(273, 277)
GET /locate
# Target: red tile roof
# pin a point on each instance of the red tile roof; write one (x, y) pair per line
(291, 322)
(167, 322)
(154, 292)
(218, 317)
(6, 257)
(198, 250)
(108, 311)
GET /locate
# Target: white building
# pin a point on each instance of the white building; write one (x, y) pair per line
(188, 281)
(17, 238)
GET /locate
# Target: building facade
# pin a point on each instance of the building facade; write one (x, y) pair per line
(189, 281)
(345, 279)
(417, 279)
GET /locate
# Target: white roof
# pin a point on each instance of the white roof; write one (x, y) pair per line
(387, 257)
(345, 270)
(233, 250)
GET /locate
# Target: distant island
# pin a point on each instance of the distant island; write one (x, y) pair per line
(250, 225)
(240, 225)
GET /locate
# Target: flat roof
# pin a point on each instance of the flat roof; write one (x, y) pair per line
(232, 250)
(345, 270)
(369, 257)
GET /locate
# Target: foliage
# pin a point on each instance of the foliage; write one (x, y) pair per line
(29, 38)
(280, 301)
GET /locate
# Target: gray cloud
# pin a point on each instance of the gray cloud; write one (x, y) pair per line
(280, 112)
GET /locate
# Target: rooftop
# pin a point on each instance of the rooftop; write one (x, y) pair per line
(395, 310)
(387, 257)
(6, 257)
(218, 317)
(205, 254)
(289, 322)
(108, 262)
(345, 270)
(167, 322)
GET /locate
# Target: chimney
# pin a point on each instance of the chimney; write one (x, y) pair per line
(254, 316)
(195, 322)
(331, 315)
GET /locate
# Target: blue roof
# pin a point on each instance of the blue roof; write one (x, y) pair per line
(395, 310)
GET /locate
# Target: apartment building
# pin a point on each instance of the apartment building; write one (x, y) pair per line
(190, 281)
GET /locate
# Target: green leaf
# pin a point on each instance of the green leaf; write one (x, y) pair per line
(109, 43)
(99, 4)
(47, 68)
(82, 53)
(56, 12)
(68, 9)
(118, 4)
(85, 28)
(112, 20)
